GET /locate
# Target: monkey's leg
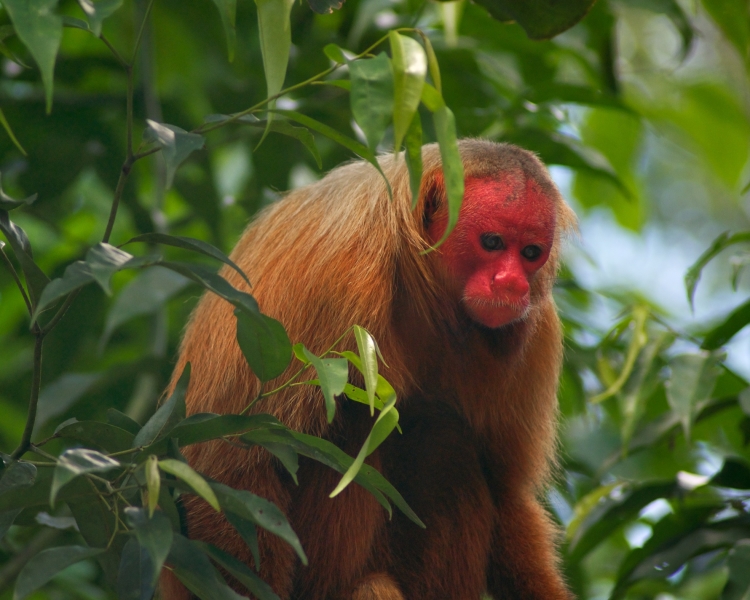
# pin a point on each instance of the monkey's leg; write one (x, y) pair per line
(436, 466)
(524, 564)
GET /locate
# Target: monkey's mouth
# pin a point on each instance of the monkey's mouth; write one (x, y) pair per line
(494, 312)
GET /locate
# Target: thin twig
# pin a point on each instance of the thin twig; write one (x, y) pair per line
(115, 53)
(60, 313)
(124, 173)
(14, 274)
(140, 31)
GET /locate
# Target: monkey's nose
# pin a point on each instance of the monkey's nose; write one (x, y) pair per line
(512, 286)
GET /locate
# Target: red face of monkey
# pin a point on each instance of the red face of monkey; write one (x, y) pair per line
(503, 237)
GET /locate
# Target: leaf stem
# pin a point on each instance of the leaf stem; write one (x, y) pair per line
(115, 53)
(14, 274)
(140, 31)
(36, 383)
(60, 313)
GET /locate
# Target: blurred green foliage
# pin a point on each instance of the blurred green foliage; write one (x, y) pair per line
(642, 110)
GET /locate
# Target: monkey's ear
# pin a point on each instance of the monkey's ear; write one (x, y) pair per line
(433, 199)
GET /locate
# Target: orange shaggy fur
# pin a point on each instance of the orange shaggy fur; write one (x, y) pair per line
(478, 407)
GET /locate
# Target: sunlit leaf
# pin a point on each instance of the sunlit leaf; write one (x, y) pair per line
(76, 462)
(40, 29)
(409, 63)
(332, 374)
(453, 168)
(48, 563)
(153, 482)
(369, 357)
(335, 53)
(413, 143)
(728, 328)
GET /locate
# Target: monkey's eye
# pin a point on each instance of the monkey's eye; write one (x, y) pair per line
(491, 241)
(531, 252)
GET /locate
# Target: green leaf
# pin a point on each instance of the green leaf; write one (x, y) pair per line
(215, 283)
(98, 434)
(145, 294)
(48, 563)
(409, 63)
(16, 143)
(123, 421)
(96, 12)
(16, 476)
(692, 380)
(40, 29)
(176, 144)
(76, 462)
(384, 425)
(195, 571)
(728, 328)
(335, 53)
(241, 572)
(722, 242)
(372, 96)
(413, 143)
(259, 511)
(731, 17)
(59, 395)
(228, 12)
(453, 168)
(194, 480)
(369, 357)
(154, 534)
(734, 473)
(187, 243)
(432, 62)
(333, 374)
(540, 19)
(248, 533)
(738, 582)
(36, 280)
(264, 343)
(167, 416)
(135, 577)
(153, 483)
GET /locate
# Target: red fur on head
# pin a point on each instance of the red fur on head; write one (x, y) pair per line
(504, 235)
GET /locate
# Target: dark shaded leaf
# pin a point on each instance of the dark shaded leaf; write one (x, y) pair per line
(738, 582)
(195, 571)
(247, 532)
(228, 12)
(720, 243)
(264, 343)
(167, 416)
(541, 19)
(259, 511)
(176, 144)
(154, 534)
(324, 7)
(259, 588)
(8, 203)
(97, 434)
(726, 330)
(136, 577)
(48, 563)
(187, 243)
(58, 396)
(123, 421)
(734, 473)
(36, 280)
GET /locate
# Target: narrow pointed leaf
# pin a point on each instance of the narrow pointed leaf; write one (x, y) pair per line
(333, 374)
(248, 533)
(720, 243)
(12, 136)
(228, 12)
(369, 357)
(153, 482)
(194, 480)
(453, 168)
(136, 577)
(187, 243)
(40, 29)
(36, 280)
(413, 155)
(241, 572)
(167, 416)
(153, 533)
(409, 71)
(372, 96)
(737, 320)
